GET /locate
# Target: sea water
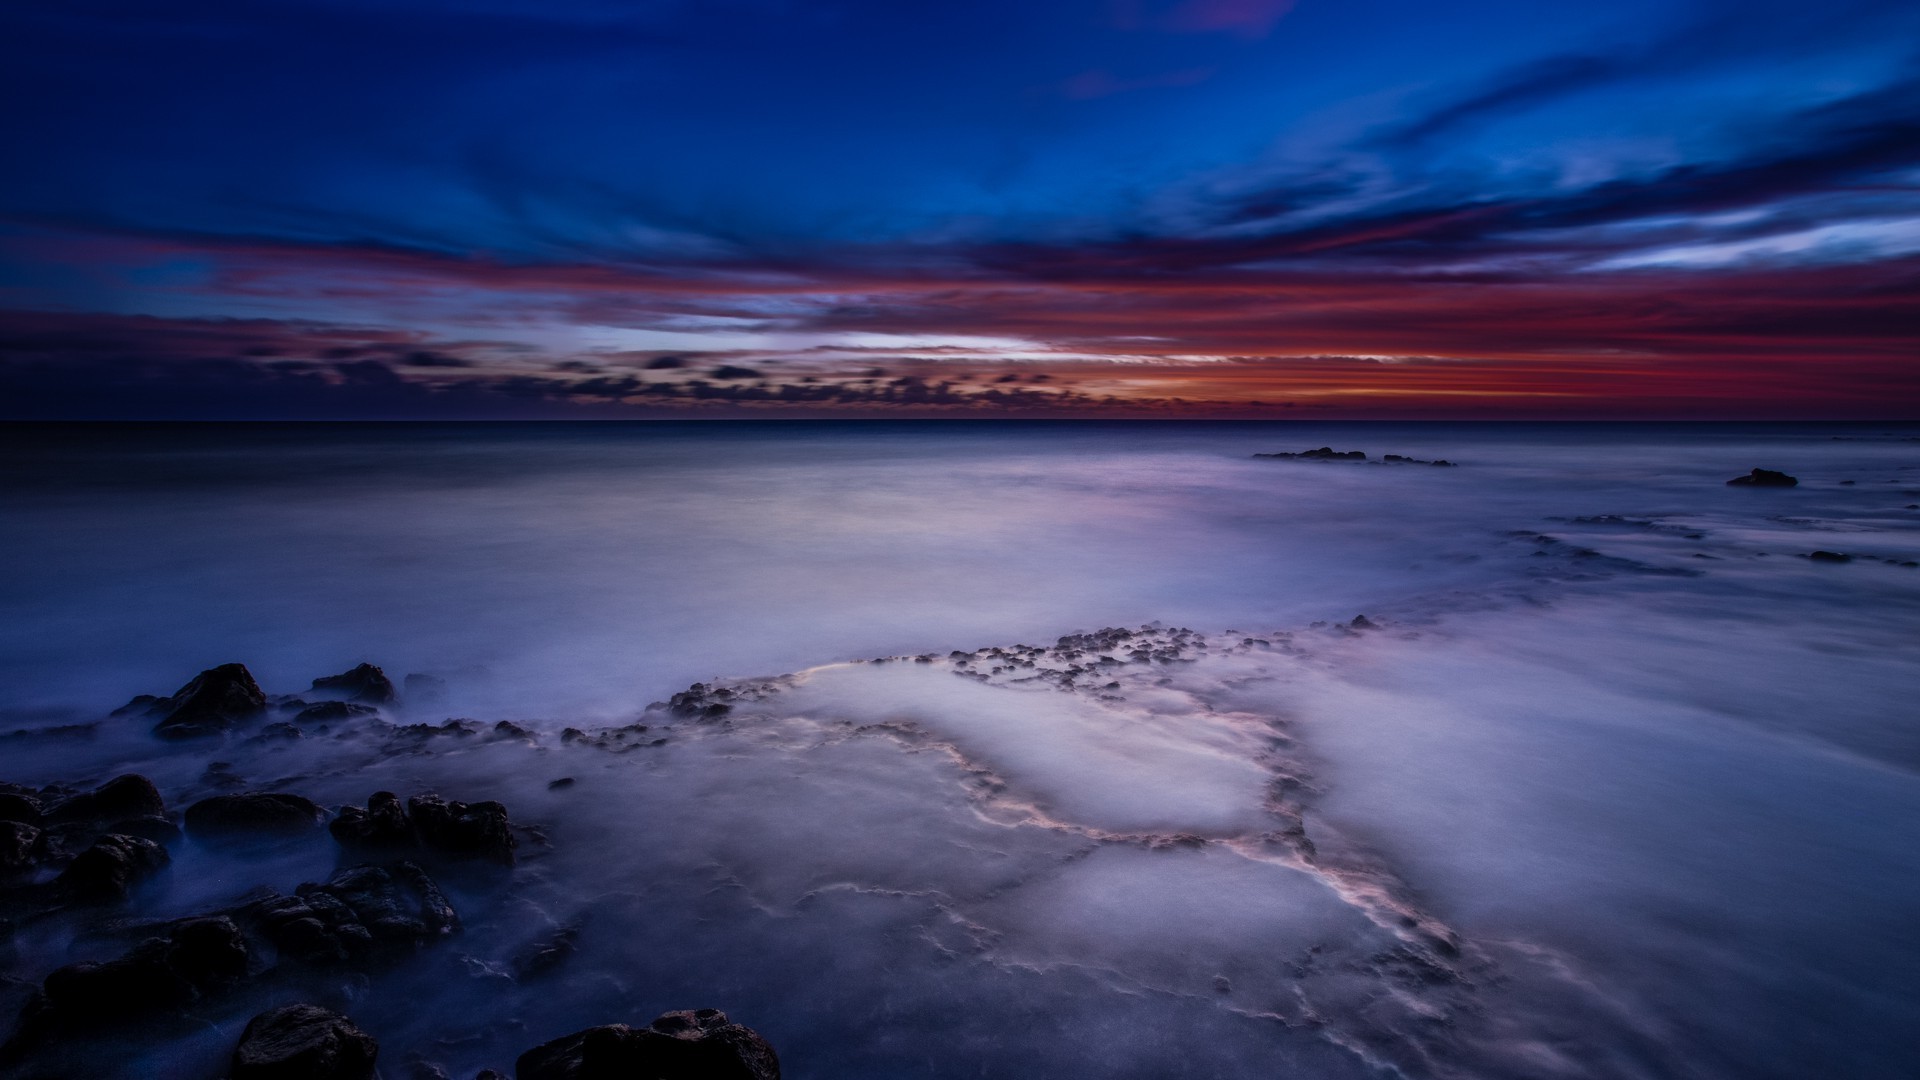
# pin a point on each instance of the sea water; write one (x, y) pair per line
(1613, 779)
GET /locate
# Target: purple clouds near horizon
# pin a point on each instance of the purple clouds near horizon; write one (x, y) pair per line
(1209, 208)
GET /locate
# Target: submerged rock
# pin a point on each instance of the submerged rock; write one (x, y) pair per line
(303, 1042)
(1829, 556)
(364, 683)
(1764, 478)
(253, 813)
(698, 1045)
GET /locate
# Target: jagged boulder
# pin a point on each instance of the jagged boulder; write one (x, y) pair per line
(253, 814)
(359, 911)
(303, 1042)
(217, 699)
(698, 1045)
(365, 683)
(1764, 478)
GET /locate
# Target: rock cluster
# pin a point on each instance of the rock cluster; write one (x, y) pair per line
(1328, 453)
(427, 822)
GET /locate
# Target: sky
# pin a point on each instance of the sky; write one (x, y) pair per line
(1325, 209)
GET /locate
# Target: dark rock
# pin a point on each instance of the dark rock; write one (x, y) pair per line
(563, 782)
(357, 913)
(303, 1042)
(253, 813)
(1829, 556)
(382, 824)
(279, 729)
(477, 829)
(1324, 453)
(507, 729)
(216, 699)
(467, 830)
(1361, 622)
(700, 1045)
(333, 710)
(364, 683)
(20, 846)
(111, 868)
(198, 959)
(128, 796)
(20, 807)
(697, 702)
(1763, 478)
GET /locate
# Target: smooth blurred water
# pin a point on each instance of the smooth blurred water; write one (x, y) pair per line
(1657, 770)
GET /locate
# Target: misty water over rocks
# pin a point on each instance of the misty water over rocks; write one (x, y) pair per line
(1017, 750)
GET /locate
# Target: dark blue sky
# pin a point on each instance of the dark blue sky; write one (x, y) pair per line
(1637, 207)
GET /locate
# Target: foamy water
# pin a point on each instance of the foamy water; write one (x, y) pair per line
(1620, 783)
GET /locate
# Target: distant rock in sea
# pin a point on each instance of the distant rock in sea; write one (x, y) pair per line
(1328, 453)
(1764, 478)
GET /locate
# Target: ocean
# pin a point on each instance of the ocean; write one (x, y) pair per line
(1564, 759)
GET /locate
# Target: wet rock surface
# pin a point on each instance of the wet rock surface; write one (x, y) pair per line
(304, 1042)
(465, 830)
(697, 1045)
(253, 814)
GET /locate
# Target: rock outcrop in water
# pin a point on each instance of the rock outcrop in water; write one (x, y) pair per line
(1764, 478)
(253, 814)
(698, 1045)
(365, 683)
(216, 700)
(464, 830)
(1328, 453)
(303, 1042)
(1325, 453)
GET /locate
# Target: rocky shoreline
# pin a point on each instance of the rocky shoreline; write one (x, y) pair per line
(79, 858)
